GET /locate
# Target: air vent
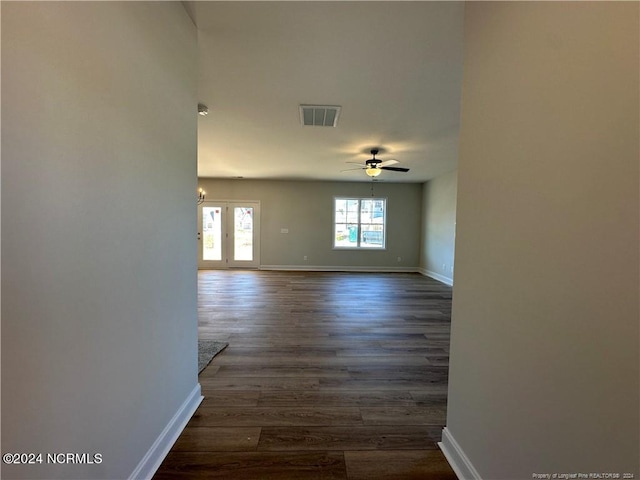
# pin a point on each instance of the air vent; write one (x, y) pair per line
(319, 115)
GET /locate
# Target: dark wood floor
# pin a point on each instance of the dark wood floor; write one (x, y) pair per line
(326, 376)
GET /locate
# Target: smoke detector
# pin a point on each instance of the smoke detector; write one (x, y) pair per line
(203, 109)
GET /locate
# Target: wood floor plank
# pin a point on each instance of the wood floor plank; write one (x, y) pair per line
(380, 351)
(220, 439)
(433, 397)
(405, 415)
(267, 416)
(348, 438)
(259, 383)
(234, 351)
(237, 398)
(281, 371)
(339, 398)
(301, 342)
(404, 372)
(376, 383)
(315, 465)
(438, 360)
(327, 361)
(398, 465)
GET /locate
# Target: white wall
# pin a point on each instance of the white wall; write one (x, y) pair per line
(437, 249)
(99, 319)
(306, 210)
(544, 373)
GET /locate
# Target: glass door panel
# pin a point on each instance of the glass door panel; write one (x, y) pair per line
(243, 234)
(212, 233)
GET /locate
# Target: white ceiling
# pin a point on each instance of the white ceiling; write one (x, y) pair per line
(394, 67)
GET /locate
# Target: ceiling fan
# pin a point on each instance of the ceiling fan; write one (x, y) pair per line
(374, 166)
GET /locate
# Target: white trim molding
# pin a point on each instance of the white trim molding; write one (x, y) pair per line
(324, 268)
(160, 448)
(456, 457)
(436, 276)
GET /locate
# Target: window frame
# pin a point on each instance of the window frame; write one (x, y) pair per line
(358, 246)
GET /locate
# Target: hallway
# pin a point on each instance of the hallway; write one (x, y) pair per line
(327, 376)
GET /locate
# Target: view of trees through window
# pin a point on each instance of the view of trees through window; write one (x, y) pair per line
(359, 223)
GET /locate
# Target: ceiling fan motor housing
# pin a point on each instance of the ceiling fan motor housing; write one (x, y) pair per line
(373, 162)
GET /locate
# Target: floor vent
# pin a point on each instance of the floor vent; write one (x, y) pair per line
(319, 115)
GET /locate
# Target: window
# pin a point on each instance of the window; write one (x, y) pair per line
(359, 223)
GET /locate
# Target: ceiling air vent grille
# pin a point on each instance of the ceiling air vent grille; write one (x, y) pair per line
(320, 115)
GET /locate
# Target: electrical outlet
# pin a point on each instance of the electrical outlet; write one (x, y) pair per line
(444, 267)
(399, 259)
(304, 258)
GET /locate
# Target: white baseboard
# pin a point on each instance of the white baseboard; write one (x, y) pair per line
(324, 268)
(160, 448)
(436, 276)
(456, 457)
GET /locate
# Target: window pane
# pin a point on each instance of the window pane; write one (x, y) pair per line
(372, 211)
(372, 236)
(341, 211)
(346, 235)
(352, 211)
(378, 211)
(366, 209)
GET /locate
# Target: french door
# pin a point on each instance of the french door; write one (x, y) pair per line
(228, 234)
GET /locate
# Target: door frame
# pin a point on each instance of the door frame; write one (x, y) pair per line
(227, 224)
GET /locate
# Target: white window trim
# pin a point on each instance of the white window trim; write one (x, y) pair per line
(359, 248)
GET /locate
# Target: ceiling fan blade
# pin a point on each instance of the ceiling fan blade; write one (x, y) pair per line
(350, 169)
(395, 169)
(357, 163)
(386, 163)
